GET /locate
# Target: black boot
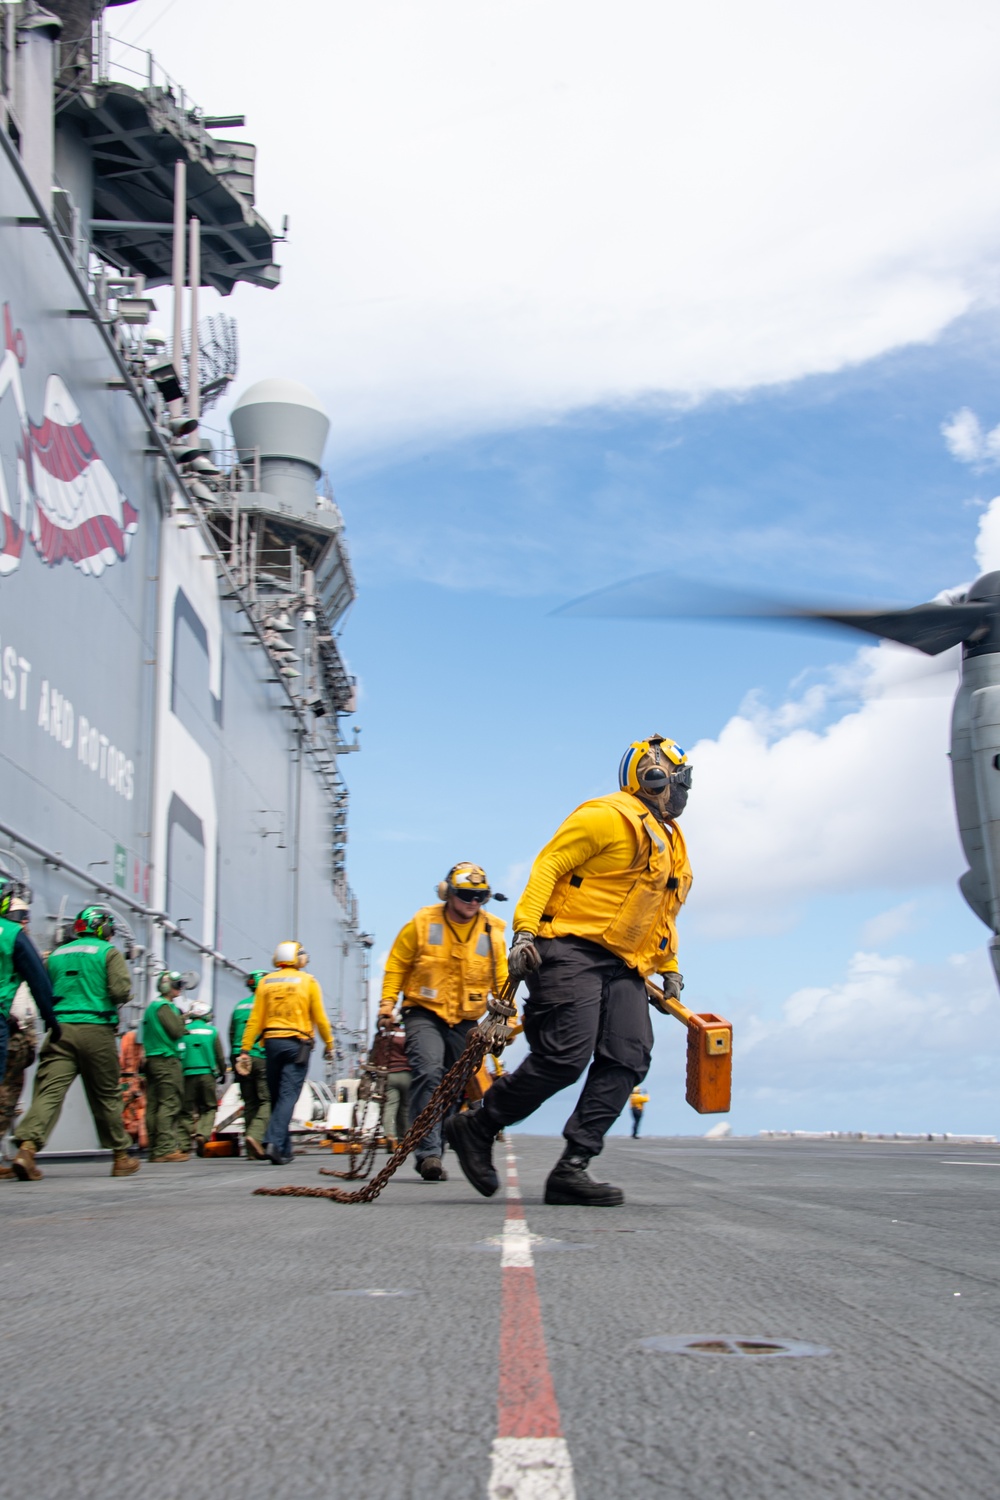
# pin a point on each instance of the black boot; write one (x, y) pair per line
(473, 1145)
(570, 1182)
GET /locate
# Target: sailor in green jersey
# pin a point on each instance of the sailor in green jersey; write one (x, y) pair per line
(90, 980)
(18, 1033)
(20, 962)
(203, 1061)
(162, 1033)
(253, 1087)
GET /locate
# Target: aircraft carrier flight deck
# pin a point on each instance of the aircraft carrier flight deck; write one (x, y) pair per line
(829, 1310)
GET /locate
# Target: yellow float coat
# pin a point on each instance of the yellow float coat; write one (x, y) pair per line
(288, 1002)
(614, 874)
(446, 967)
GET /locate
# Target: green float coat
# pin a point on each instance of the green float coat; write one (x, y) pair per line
(9, 978)
(79, 975)
(198, 1048)
(237, 1026)
(155, 1041)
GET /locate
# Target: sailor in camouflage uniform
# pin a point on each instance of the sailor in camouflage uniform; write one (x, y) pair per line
(22, 1042)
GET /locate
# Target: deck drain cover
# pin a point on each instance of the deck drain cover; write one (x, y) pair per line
(371, 1291)
(710, 1345)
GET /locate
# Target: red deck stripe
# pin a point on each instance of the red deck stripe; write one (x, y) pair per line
(527, 1406)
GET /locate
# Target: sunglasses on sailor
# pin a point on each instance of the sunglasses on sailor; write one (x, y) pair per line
(479, 896)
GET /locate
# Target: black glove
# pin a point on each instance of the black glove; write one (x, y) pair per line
(55, 1032)
(222, 1079)
(672, 985)
(524, 958)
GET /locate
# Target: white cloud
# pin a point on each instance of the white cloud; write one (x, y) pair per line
(988, 538)
(880, 930)
(505, 210)
(781, 811)
(889, 1012)
(967, 441)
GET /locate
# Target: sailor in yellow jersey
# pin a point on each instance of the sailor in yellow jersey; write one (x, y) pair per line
(596, 918)
(287, 1006)
(637, 1102)
(444, 962)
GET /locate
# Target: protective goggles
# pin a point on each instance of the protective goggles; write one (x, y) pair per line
(681, 777)
(463, 895)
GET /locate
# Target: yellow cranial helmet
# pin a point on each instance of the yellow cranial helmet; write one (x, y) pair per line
(290, 955)
(465, 879)
(648, 766)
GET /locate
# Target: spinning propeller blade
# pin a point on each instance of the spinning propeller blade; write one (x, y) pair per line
(931, 628)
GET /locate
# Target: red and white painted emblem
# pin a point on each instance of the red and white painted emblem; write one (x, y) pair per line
(66, 501)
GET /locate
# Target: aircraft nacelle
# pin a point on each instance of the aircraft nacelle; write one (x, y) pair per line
(975, 769)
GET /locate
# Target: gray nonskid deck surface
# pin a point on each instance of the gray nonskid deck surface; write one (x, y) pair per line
(171, 1335)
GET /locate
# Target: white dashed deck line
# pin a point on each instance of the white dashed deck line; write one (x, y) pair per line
(531, 1469)
(515, 1247)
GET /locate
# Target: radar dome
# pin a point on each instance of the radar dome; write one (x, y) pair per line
(286, 423)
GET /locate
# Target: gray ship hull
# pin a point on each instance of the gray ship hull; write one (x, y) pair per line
(149, 754)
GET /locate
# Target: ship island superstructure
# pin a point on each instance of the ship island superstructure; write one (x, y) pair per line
(173, 693)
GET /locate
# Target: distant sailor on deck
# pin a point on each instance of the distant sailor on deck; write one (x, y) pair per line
(389, 1051)
(22, 1041)
(444, 962)
(253, 1085)
(597, 918)
(162, 1032)
(287, 1011)
(203, 1063)
(90, 981)
(637, 1102)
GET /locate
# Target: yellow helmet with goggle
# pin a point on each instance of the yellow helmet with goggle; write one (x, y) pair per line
(658, 769)
(465, 879)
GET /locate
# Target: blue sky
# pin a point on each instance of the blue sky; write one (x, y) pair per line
(485, 718)
(695, 291)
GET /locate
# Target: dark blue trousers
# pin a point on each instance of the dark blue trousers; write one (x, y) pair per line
(285, 1077)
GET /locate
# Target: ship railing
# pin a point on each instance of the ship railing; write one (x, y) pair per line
(117, 61)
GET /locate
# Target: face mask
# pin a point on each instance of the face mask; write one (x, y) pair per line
(677, 799)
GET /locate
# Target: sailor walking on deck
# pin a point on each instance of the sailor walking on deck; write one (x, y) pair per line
(90, 981)
(444, 963)
(287, 1011)
(253, 1085)
(637, 1103)
(22, 1027)
(162, 1032)
(596, 918)
(203, 1063)
(389, 1051)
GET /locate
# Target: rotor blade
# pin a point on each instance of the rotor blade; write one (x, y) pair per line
(931, 628)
